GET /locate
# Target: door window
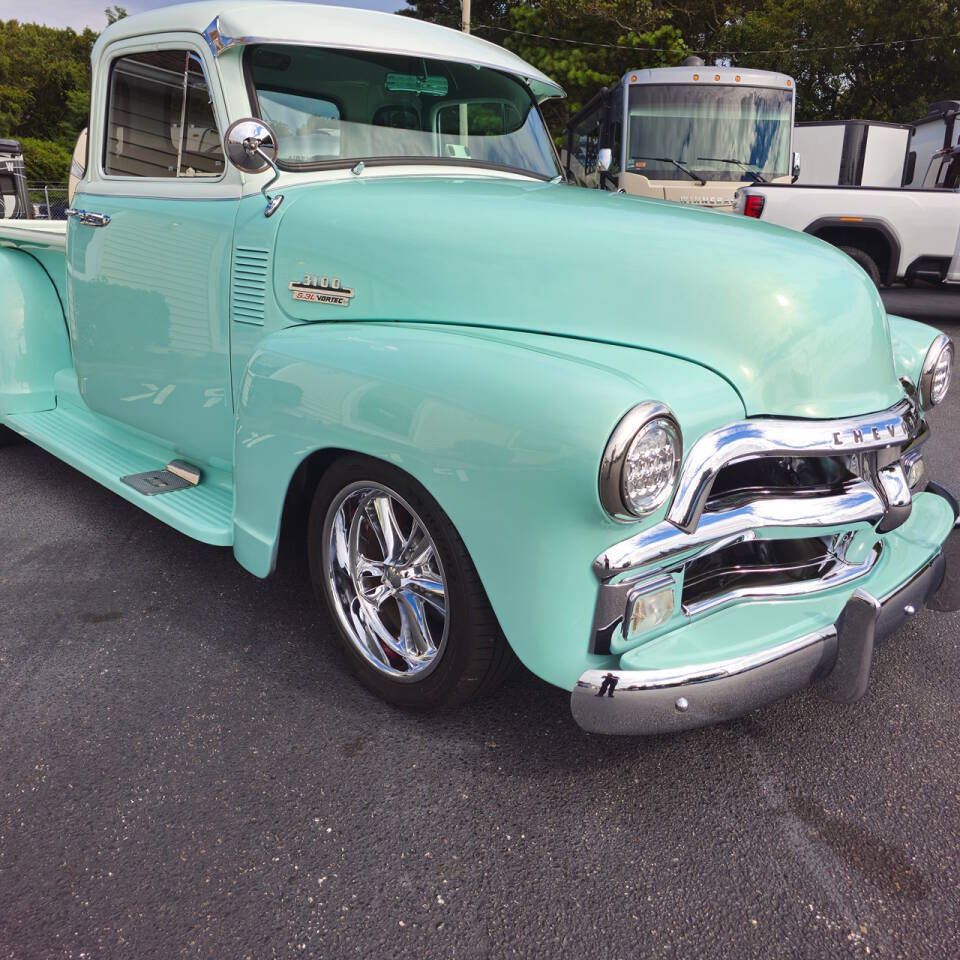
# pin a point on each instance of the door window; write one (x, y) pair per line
(160, 120)
(584, 147)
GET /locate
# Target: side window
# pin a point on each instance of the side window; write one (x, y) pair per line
(585, 145)
(160, 119)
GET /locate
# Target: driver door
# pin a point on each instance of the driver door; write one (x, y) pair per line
(149, 253)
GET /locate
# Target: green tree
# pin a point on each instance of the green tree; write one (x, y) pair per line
(622, 36)
(840, 52)
(44, 92)
(45, 160)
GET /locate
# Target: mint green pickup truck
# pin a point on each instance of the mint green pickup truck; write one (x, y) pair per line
(321, 275)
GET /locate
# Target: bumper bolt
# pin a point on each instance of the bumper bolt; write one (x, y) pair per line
(682, 704)
(909, 609)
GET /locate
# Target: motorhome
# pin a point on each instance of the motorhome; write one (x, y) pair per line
(692, 133)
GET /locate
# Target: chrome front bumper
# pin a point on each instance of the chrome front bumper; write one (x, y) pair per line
(836, 660)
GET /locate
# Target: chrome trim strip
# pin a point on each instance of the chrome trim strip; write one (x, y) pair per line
(792, 438)
(859, 503)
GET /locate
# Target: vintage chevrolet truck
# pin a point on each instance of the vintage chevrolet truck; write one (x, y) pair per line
(321, 272)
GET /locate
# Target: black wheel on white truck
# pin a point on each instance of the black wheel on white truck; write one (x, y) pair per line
(864, 260)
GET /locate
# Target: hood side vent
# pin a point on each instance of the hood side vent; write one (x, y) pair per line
(248, 284)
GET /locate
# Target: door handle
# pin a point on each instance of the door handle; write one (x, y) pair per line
(88, 218)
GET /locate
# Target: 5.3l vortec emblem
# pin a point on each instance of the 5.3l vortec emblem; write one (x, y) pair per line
(868, 434)
(322, 290)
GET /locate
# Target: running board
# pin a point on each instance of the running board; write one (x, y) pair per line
(79, 438)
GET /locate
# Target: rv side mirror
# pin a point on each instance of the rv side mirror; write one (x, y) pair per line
(604, 159)
(795, 168)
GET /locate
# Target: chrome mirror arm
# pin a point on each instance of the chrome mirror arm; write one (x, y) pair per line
(272, 202)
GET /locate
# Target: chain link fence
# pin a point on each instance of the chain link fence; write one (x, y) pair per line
(49, 200)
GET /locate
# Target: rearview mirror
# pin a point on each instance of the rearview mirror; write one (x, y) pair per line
(252, 147)
(406, 83)
(604, 159)
(795, 168)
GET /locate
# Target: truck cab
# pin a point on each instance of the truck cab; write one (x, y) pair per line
(692, 134)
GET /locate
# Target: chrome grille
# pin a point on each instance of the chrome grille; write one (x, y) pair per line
(720, 539)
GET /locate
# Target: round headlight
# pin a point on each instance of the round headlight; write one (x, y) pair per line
(937, 372)
(641, 462)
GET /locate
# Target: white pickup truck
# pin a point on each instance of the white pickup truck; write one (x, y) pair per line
(894, 234)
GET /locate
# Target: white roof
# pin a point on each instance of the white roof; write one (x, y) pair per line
(705, 76)
(228, 24)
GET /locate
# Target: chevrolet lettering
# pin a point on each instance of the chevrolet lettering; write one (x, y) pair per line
(678, 497)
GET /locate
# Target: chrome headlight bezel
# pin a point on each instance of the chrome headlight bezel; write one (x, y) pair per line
(925, 388)
(635, 422)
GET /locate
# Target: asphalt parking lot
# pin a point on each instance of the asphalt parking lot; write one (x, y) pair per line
(187, 770)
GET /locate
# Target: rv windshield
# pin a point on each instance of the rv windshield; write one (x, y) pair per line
(743, 131)
(334, 107)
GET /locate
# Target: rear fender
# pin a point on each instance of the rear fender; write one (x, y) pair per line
(33, 335)
(505, 430)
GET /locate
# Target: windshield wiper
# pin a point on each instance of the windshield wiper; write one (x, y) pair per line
(678, 164)
(757, 178)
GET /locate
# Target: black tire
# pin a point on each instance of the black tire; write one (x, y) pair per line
(866, 262)
(475, 657)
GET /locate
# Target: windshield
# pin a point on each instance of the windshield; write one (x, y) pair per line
(720, 133)
(335, 107)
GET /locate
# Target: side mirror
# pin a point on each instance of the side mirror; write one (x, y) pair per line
(604, 159)
(795, 167)
(251, 146)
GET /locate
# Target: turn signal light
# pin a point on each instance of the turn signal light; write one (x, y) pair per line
(753, 207)
(648, 611)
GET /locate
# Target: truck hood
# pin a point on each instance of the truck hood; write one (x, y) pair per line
(795, 326)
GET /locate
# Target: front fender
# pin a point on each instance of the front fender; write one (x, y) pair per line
(910, 340)
(505, 430)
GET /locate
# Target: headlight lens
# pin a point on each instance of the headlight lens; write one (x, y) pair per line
(937, 372)
(651, 467)
(641, 462)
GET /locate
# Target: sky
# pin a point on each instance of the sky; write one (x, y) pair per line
(89, 13)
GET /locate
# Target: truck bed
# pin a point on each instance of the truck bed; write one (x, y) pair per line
(911, 227)
(45, 241)
(43, 234)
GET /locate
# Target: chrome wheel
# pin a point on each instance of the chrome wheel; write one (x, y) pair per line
(385, 581)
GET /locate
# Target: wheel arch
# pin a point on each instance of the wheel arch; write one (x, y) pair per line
(873, 235)
(505, 431)
(33, 334)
